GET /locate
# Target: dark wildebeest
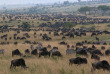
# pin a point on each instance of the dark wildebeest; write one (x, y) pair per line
(82, 52)
(107, 52)
(98, 52)
(27, 51)
(93, 46)
(102, 47)
(100, 65)
(34, 52)
(44, 53)
(68, 46)
(78, 61)
(56, 53)
(63, 37)
(97, 38)
(49, 46)
(63, 43)
(18, 62)
(16, 52)
(93, 34)
(79, 44)
(96, 57)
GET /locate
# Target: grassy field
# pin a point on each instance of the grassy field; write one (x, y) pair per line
(49, 65)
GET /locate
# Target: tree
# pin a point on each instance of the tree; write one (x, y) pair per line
(66, 2)
(104, 9)
(25, 25)
(85, 10)
(68, 25)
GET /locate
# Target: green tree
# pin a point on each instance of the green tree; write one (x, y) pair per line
(85, 10)
(68, 25)
(104, 9)
(25, 25)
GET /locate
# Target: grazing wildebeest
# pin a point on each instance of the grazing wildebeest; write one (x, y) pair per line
(34, 52)
(79, 44)
(16, 52)
(63, 43)
(70, 51)
(82, 52)
(102, 47)
(32, 47)
(100, 65)
(57, 53)
(54, 49)
(49, 46)
(27, 51)
(97, 38)
(93, 46)
(93, 34)
(96, 57)
(44, 53)
(107, 52)
(43, 49)
(18, 62)
(68, 46)
(78, 61)
(104, 43)
(98, 52)
(2, 51)
(63, 37)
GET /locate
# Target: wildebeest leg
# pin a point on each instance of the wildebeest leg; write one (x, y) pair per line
(11, 66)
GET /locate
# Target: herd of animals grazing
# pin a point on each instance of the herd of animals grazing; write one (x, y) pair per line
(78, 49)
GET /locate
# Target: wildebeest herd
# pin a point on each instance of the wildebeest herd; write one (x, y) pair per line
(78, 46)
(81, 49)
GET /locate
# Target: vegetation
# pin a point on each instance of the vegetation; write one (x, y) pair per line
(104, 9)
(25, 25)
(85, 10)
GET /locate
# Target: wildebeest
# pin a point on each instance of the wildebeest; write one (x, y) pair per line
(82, 52)
(57, 53)
(18, 62)
(107, 52)
(54, 49)
(100, 65)
(96, 57)
(16, 52)
(34, 52)
(78, 61)
(98, 52)
(27, 51)
(70, 51)
(79, 44)
(44, 53)
(63, 43)
(102, 47)
(2, 51)
(97, 38)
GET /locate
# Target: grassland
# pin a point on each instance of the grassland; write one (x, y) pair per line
(48, 65)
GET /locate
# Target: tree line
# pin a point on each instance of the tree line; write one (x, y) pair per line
(102, 9)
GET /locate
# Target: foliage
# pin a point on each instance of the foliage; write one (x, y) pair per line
(103, 8)
(84, 9)
(25, 25)
(69, 25)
